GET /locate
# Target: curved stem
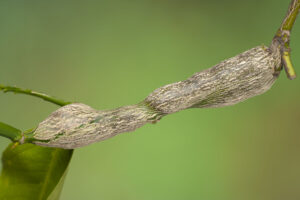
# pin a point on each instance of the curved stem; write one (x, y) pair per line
(282, 37)
(33, 93)
(10, 132)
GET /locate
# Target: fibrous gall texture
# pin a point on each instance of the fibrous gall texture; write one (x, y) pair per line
(248, 74)
(233, 80)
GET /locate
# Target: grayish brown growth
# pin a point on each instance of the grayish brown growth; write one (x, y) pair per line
(236, 79)
(77, 124)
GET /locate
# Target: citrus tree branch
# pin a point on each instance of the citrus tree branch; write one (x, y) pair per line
(236, 79)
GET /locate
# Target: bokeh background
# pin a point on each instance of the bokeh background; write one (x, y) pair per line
(110, 53)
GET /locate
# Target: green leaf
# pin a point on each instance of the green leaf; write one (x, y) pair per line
(32, 172)
(56, 192)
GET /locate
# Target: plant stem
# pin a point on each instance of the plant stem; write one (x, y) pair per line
(33, 93)
(10, 132)
(290, 17)
(282, 37)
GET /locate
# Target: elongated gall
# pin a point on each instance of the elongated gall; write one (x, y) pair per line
(248, 74)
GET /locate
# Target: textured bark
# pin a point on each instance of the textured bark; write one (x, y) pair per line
(234, 80)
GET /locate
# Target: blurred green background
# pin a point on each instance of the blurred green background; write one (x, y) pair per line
(111, 53)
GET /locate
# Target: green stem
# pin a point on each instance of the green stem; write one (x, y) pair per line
(290, 17)
(10, 132)
(33, 93)
(282, 37)
(288, 67)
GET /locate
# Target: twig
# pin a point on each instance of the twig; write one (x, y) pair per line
(45, 97)
(10, 132)
(282, 37)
